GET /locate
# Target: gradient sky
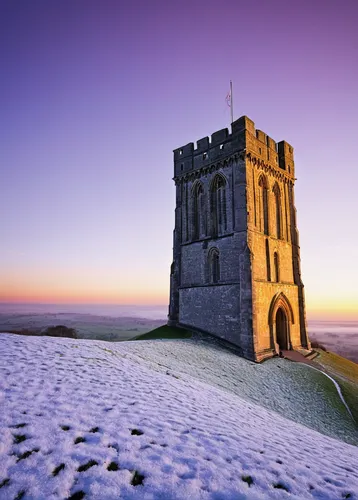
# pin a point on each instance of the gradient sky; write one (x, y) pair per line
(95, 95)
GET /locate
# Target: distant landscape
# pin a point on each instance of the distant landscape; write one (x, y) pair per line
(340, 337)
(118, 323)
(111, 323)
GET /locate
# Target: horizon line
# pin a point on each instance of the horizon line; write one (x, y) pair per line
(312, 314)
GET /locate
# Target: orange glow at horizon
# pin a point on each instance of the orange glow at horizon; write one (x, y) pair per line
(143, 286)
(81, 287)
(330, 310)
(71, 297)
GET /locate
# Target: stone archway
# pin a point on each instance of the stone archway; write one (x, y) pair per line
(282, 329)
(280, 320)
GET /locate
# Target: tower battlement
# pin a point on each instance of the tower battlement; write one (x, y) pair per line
(222, 144)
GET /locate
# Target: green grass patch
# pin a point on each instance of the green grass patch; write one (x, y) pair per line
(137, 479)
(20, 495)
(326, 387)
(19, 438)
(350, 394)
(136, 432)
(58, 469)
(5, 482)
(113, 466)
(88, 465)
(80, 439)
(78, 495)
(107, 350)
(26, 454)
(338, 365)
(165, 332)
(345, 373)
(280, 486)
(248, 480)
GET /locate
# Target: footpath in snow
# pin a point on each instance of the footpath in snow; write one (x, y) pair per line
(90, 419)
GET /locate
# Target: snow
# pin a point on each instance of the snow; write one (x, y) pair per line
(280, 385)
(187, 434)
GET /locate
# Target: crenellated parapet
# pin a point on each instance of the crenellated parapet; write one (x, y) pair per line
(285, 157)
(222, 146)
(222, 164)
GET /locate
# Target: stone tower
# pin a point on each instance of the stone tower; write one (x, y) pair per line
(236, 257)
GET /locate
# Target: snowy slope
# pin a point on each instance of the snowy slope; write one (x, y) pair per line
(291, 389)
(72, 411)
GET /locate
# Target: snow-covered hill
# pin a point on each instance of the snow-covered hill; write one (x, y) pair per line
(168, 420)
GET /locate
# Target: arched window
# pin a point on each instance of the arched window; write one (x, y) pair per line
(214, 265)
(218, 205)
(268, 263)
(278, 218)
(186, 212)
(198, 211)
(263, 205)
(277, 267)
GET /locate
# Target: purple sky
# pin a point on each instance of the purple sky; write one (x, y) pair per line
(95, 95)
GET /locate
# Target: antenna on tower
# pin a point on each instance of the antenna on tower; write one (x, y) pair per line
(230, 102)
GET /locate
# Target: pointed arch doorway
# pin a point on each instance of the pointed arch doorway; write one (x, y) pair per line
(282, 329)
(280, 320)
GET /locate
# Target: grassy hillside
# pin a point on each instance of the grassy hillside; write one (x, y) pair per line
(338, 365)
(294, 390)
(345, 372)
(350, 394)
(164, 332)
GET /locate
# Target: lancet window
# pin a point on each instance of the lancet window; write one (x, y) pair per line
(268, 263)
(278, 217)
(198, 211)
(277, 267)
(218, 205)
(214, 265)
(186, 213)
(263, 205)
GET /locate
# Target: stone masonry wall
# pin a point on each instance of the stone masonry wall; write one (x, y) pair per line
(276, 166)
(214, 309)
(195, 263)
